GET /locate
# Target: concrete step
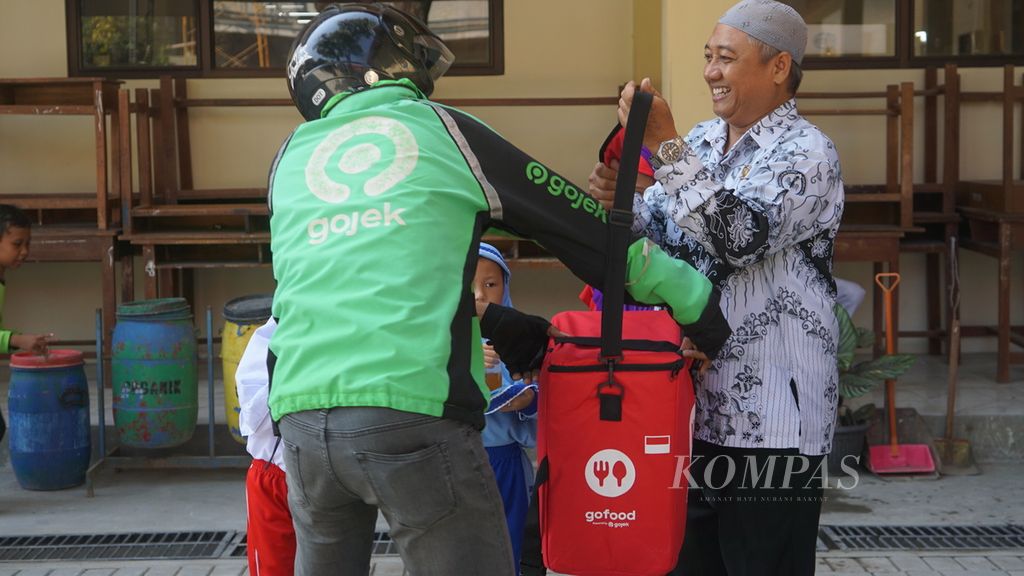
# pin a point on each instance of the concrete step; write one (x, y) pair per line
(989, 415)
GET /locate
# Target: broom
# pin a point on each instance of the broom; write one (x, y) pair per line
(954, 452)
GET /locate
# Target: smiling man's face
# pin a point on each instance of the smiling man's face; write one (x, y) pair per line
(744, 88)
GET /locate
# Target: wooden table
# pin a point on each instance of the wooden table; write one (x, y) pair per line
(880, 245)
(95, 97)
(997, 234)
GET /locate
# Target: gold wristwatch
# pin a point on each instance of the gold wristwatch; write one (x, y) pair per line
(669, 152)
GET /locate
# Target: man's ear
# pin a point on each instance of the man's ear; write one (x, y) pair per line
(781, 65)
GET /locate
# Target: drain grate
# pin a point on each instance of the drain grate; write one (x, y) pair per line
(227, 544)
(922, 537)
(238, 549)
(133, 546)
(382, 546)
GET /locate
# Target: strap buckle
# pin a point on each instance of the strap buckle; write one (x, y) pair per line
(610, 393)
(620, 217)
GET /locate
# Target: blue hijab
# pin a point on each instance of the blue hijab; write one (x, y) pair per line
(494, 255)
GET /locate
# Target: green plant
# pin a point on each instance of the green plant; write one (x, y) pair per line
(858, 378)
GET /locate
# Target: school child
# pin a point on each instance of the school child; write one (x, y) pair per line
(511, 424)
(15, 238)
(270, 536)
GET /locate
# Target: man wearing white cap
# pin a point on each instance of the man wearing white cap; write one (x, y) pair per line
(753, 199)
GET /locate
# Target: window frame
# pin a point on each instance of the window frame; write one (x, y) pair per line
(204, 51)
(904, 57)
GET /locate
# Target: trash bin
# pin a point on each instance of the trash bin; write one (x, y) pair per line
(242, 316)
(154, 375)
(48, 403)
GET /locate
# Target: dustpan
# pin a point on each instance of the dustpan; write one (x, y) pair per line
(911, 428)
(896, 458)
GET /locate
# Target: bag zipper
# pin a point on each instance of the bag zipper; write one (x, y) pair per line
(673, 367)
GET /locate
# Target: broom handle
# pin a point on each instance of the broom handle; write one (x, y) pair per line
(890, 401)
(890, 347)
(954, 365)
(954, 340)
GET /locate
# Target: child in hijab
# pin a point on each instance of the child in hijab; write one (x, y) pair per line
(511, 425)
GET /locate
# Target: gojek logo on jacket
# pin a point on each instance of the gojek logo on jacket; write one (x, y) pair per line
(369, 156)
(556, 186)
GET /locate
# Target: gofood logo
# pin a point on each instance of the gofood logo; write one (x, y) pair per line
(610, 518)
(610, 473)
(372, 154)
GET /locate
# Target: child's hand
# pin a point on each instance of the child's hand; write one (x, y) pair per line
(34, 343)
(519, 402)
(491, 358)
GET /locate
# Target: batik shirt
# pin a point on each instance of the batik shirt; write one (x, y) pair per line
(760, 221)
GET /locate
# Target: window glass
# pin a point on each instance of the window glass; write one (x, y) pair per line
(849, 28)
(464, 25)
(249, 34)
(968, 27)
(257, 34)
(137, 33)
(142, 38)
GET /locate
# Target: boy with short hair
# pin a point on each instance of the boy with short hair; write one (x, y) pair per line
(15, 237)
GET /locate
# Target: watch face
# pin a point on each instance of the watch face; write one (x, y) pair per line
(670, 151)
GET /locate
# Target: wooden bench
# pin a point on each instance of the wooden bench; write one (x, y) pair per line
(934, 203)
(1006, 193)
(176, 226)
(994, 211)
(93, 98)
(999, 235)
(179, 226)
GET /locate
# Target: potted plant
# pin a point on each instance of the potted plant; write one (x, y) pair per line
(857, 379)
(103, 38)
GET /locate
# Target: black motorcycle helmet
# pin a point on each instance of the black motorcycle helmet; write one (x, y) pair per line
(349, 47)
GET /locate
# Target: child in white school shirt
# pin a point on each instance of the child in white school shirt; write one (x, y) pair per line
(271, 538)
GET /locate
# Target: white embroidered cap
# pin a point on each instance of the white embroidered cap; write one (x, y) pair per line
(774, 23)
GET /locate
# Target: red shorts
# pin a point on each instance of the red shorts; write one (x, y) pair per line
(271, 537)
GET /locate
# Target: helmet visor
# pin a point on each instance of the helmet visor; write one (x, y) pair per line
(436, 57)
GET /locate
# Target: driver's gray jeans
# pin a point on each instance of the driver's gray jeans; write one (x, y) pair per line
(429, 476)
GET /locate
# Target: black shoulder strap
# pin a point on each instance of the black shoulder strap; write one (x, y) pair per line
(621, 221)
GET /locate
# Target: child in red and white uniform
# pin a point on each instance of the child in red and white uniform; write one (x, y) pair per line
(271, 537)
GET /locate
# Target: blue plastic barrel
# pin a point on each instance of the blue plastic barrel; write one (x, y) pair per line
(153, 373)
(48, 402)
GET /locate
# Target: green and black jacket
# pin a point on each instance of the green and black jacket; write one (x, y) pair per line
(377, 213)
